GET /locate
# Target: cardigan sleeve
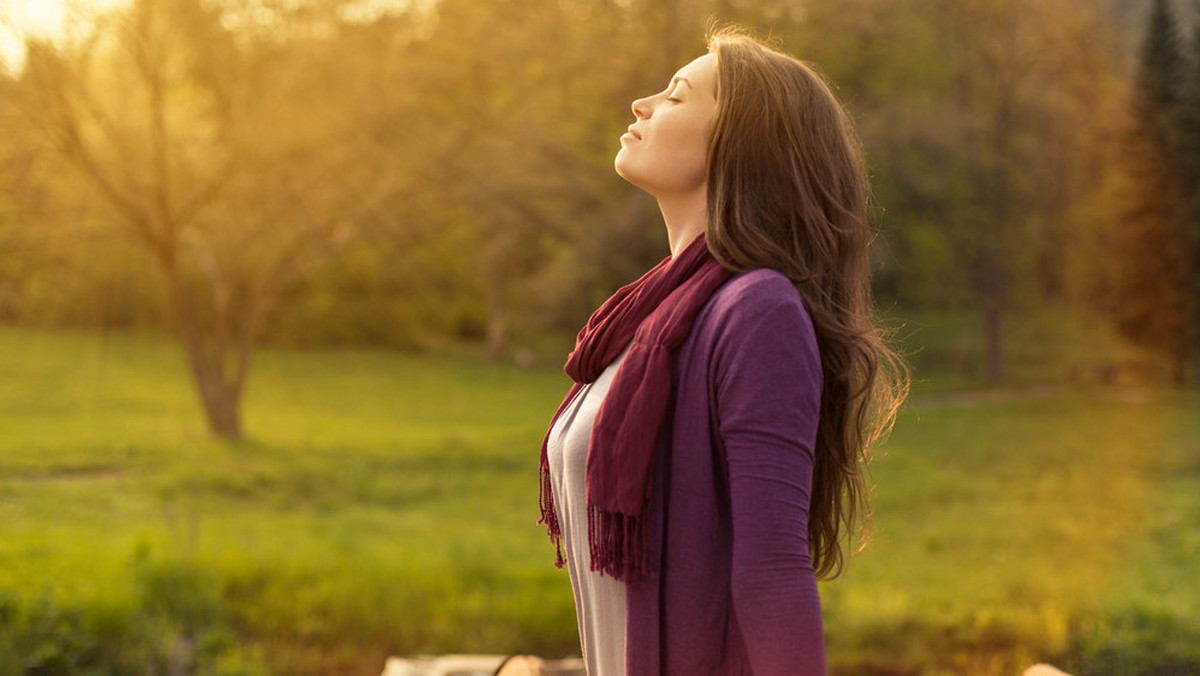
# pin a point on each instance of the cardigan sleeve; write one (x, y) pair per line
(767, 380)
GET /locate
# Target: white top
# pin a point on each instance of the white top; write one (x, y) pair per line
(599, 599)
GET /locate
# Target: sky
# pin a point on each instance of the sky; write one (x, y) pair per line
(39, 18)
(51, 18)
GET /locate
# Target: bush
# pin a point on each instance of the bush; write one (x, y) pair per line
(179, 625)
(1137, 642)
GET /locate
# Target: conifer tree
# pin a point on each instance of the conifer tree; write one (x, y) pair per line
(1188, 148)
(1152, 300)
(1162, 59)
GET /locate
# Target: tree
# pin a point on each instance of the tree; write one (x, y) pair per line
(176, 122)
(457, 156)
(516, 137)
(1153, 284)
(15, 193)
(984, 124)
(1189, 153)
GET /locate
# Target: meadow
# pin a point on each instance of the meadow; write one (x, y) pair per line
(386, 504)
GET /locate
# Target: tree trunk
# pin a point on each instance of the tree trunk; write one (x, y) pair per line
(994, 344)
(220, 395)
(997, 259)
(497, 327)
(221, 402)
(218, 386)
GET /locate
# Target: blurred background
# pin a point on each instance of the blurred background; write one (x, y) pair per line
(285, 286)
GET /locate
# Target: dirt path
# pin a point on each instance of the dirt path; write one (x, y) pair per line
(1006, 395)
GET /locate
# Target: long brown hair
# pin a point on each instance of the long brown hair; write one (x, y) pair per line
(787, 190)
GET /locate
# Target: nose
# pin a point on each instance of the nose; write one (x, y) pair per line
(641, 108)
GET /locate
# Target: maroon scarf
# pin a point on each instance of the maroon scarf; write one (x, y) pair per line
(656, 312)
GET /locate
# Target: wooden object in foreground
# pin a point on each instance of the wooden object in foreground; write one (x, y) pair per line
(1044, 670)
(482, 665)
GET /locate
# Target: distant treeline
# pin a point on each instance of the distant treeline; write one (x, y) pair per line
(321, 172)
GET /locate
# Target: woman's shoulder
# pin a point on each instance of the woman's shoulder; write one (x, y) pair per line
(753, 309)
(758, 318)
(750, 293)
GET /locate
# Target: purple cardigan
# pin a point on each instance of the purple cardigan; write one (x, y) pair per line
(735, 591)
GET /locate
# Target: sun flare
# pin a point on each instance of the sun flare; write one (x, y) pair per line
(47, 19)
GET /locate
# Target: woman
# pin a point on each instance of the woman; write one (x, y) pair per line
(705, 468)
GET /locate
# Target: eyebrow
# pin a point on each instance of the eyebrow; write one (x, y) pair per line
(680, 78)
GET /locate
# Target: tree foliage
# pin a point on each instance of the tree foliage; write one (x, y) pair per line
(216, 156)
(1154, 277)
(989, 126)
(337, 172)
(1188, 120)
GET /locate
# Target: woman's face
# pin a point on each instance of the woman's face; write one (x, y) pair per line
(665, 151)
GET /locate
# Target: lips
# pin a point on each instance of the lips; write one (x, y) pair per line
(633, 132)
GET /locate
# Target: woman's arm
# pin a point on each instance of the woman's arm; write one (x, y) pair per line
(768, 389)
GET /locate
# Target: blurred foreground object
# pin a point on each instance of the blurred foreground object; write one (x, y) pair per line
(482, 665)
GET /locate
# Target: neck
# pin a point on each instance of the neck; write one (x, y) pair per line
(686, 218)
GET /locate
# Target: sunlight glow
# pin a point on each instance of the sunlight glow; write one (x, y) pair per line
(49, 19)
(57, 20)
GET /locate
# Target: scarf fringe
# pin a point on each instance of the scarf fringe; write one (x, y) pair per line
(617, 544)
(549, 516)
(656, 312)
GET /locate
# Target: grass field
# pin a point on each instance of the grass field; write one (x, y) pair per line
(385, 504)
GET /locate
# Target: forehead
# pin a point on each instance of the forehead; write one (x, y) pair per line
(700, 72)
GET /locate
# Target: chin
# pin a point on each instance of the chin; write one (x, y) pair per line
(621, 166)
(622, 169)
(619, 162)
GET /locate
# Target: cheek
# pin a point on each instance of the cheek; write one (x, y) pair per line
(687, 137)
(678, 144)
(688, 150)
(674, 157)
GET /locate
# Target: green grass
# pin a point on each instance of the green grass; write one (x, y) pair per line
(1012, 533)
(1052, 344)
(385, 504)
